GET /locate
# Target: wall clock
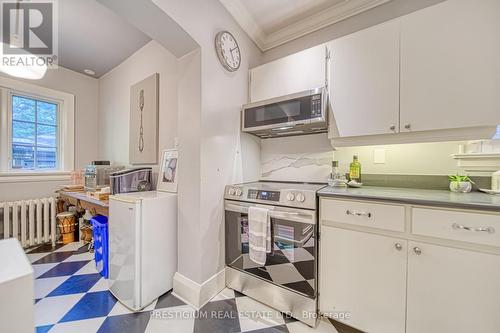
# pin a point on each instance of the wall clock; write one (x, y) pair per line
(228, 51)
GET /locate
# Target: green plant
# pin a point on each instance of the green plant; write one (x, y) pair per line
(459, 178)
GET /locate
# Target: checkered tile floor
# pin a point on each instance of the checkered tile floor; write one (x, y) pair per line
(292, 267)
(72, 297)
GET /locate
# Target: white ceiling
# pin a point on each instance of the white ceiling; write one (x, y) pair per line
(274, 22)
(93, 37)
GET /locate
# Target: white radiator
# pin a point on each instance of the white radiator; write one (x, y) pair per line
(33, 222)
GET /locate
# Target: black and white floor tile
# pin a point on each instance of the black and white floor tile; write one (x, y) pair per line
(293, 267)
(71, 297)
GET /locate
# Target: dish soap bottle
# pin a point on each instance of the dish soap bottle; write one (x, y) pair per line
(355, 170)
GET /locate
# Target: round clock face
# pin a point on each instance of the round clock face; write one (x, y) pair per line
(228, 51)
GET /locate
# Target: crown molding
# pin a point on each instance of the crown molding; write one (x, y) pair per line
(245, 20)
(300, 28)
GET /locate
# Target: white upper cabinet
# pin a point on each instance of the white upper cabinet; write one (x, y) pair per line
(450, 66)
(292, 74)
(364, 87)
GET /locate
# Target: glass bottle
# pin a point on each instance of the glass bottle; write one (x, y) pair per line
(355, 169)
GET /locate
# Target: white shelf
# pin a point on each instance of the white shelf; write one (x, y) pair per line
(478, 162)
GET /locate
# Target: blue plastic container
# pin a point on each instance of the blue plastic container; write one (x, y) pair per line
(101, 252)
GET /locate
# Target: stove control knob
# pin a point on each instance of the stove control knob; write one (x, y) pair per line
(238, 192)
(301, 197)
(290, 196)
(232, 191)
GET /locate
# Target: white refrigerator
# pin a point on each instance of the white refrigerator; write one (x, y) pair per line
(142, 246)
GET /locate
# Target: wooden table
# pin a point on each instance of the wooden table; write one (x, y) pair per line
(83, 202)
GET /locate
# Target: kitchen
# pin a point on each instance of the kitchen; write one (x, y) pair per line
(395, 86)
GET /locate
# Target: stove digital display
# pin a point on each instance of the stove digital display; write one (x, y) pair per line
(264, 195)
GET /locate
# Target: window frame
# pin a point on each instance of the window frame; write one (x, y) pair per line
(10, 94)
(65, 131)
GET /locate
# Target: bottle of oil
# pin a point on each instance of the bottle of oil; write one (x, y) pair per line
(355, 169)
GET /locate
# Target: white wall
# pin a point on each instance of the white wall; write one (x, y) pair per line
(114, 101)
(85, 90)
(189, 199)
(404, 159)
(226, 155)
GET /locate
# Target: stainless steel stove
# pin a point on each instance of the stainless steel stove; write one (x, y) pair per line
(288, 279)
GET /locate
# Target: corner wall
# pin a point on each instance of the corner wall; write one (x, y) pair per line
(226, 155)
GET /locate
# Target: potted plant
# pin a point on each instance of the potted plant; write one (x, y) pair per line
(460, 184)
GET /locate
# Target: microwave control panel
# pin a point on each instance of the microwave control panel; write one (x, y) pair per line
(316, 106)
(264, 195)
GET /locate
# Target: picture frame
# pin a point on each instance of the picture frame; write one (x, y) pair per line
(168, 172)
(143, 125)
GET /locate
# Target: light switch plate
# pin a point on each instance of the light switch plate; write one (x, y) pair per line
(379, 156)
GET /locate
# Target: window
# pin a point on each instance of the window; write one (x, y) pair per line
(37, 132)
(34, 134)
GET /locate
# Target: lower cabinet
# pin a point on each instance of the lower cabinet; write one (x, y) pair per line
(452, 290)
(363, 279)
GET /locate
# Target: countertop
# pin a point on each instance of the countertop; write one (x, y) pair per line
(441, 198)
(84, 197)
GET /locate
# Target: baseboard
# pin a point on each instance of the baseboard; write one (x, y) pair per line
(195, 294)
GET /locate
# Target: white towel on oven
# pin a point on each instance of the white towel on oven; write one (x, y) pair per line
(259, 230)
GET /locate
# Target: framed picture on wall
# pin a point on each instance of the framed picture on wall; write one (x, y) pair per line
(143, 140)
(167, 175)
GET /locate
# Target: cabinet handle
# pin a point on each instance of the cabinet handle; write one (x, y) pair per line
(398, 246)
(408, 126)
(417, 250)
(392, 128)
(355, 213)
(457, 226)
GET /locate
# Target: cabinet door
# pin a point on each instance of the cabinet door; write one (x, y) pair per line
(450, 66)
(364, 87)
(363, 276)
(295, 73)
(452, 290)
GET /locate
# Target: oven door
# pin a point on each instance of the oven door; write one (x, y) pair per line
(292, 262)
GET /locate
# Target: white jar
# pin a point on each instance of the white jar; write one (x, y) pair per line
(495, 181)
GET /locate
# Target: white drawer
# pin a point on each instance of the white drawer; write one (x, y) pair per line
(461, 226)
(381, 216)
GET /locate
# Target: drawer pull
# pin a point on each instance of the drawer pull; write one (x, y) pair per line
(457, 226)
(398, 246)
(417, 250)
(355, 213)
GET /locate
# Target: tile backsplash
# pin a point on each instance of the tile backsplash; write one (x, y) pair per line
(308, 158)
(300, 158)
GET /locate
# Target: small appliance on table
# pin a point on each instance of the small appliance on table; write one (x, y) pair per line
(97, 175)
(142, 246)
(287, 281)
(131, 180)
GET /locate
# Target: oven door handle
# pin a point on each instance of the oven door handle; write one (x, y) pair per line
(292, 215)
(304, 217)
(236, 208)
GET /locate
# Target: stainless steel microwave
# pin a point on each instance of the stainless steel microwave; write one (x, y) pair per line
(295, 114)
